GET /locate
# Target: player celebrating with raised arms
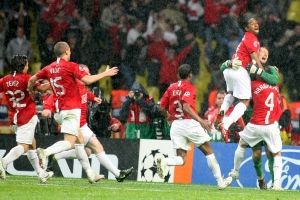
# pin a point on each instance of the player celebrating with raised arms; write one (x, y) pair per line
(22, 115)
(178, 106)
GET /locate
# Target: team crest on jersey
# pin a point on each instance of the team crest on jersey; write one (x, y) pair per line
(81, 68)
(255, 43)
(187, 94)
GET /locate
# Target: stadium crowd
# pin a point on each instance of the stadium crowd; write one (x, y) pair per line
(150, 38)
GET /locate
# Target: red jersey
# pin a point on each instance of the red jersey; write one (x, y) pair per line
(85, 97)
(175, 96)
(20, 104)
(62, 76)
(248, 45)
(266, 107)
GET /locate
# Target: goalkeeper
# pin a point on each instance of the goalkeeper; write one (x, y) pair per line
(270, 75)
(237, 79)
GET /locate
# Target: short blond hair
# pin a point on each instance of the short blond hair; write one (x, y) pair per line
(60, 48)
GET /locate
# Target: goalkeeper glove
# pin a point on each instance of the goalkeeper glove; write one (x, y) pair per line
(236, 63)
(253, 69)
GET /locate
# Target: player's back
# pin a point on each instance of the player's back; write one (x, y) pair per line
(266, 107)
(20, 103)
(175, 96)
(62, 76)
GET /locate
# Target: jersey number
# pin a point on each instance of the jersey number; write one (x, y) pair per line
(269, 102)
(16, 101)
(178, 109)
(56, 86)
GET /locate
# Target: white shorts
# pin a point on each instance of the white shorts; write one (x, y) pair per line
(185, 131)
(239, 82)
(87, 133)
(25, 133)
(253, 134)
(69, 121)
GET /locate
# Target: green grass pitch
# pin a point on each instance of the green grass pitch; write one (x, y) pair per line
(57, 188)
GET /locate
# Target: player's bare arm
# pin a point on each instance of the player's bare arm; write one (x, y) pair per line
(31, 83)
(89, 79)
(254, 56)
(204, 123)
(43, 87)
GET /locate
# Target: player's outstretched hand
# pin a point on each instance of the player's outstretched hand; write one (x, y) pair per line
(111, 71)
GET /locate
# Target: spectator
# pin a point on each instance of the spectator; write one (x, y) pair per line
(214, 10)
(193, 58)
(118, 96)
(232, 40)
(47, 52)
(119, 33)
(19, 19)
(156, 42)
(135, 32)
(100, 121)
(172, 12)
(111, 14)
(19, 45)
(3, 34)
(211, 115)
(134, 60)
(169, 33)
(136, 112)
(58, 23)
(169, 65)
(195, 12)
(75, 48)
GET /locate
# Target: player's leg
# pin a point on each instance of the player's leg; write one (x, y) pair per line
(69, 120)
(257, 161)
(24, 138)
(214, 165)
(202, 142)
(274, 143)
(98, 150)
(239, 156)
(270, 163)
(242, 91)
(249, 136)
(229, 99)
(180, 144)
(34, 161)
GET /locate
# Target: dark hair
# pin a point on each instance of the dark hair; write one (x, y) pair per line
(18, 63)
(221, 92)
(243, 21)
(184, 71)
